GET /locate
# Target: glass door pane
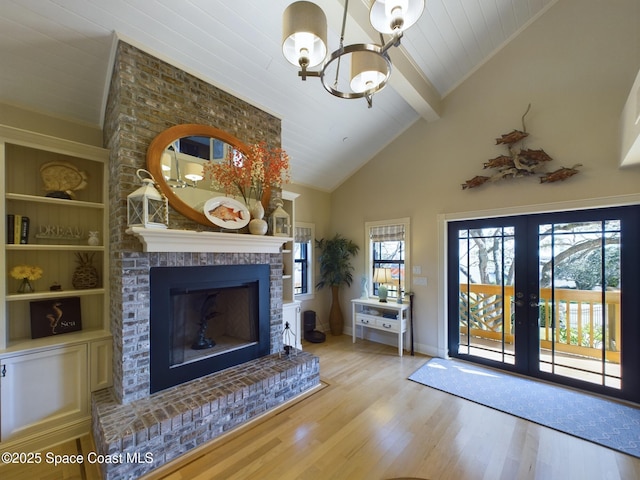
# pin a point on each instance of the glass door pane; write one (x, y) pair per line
(552, 295)
(485, 295)
(579, 301)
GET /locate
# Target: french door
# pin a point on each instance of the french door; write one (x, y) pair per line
(553, 296)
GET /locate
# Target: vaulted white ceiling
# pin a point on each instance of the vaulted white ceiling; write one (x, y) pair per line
(56, 57)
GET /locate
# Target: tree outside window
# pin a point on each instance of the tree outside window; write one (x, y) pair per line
(388, 247)
(390, 254)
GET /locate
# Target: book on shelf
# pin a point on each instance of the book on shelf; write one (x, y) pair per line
(17, 229)
(11, 219)
(24, 230)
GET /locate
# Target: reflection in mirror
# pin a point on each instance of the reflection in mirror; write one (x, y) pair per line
(183, 167)
(177, 157)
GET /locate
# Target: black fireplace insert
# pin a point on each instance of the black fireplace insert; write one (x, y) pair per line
(205, 319)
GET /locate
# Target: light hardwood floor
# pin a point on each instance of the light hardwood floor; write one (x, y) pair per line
(371, 423)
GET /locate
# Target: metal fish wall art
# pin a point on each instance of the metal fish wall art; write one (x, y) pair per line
(560, 174)
(520, 162)
(475, 182)
(512, 137)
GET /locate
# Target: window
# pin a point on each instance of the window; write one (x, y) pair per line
(388, 247)
(303, 260)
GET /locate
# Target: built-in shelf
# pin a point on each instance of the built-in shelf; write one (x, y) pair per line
(28, 345)
(169, 240)
(74, 364)
(53, 201)
(44, 295)
(44, 247)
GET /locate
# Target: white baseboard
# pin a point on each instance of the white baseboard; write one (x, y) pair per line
(40, 441)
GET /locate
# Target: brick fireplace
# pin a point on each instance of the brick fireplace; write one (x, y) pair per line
(144, 430)
(166, 424)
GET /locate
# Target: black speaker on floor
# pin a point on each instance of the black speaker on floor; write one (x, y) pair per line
(309, 324)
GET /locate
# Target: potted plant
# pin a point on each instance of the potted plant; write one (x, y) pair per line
(335, 269)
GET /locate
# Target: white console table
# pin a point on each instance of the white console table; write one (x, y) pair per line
(389, 317)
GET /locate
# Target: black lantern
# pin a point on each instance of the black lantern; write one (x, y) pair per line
(288, 342)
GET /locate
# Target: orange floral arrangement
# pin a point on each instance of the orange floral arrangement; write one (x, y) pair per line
(251, 173)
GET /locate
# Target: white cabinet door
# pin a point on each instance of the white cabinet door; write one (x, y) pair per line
(291, 314)
(43, 390)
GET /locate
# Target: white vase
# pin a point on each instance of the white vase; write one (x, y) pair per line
(256, 210)
(257, 225)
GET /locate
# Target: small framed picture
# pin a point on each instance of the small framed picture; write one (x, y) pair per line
(55, 316)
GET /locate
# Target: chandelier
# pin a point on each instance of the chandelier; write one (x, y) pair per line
(304, 44)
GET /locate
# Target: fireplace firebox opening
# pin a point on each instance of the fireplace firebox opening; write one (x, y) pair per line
(205, 319)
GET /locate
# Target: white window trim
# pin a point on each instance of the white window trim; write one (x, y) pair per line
(311, 267)
(406, 221)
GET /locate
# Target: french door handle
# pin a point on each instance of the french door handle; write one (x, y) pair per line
(520, 302)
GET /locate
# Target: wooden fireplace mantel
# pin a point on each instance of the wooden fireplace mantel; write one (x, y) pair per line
(168, 240)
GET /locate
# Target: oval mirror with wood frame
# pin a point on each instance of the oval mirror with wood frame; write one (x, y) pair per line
(176, 158)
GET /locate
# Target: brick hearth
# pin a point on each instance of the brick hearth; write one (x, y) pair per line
(173, 421)
(169, 423)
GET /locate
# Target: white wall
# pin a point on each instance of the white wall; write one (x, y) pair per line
(575, 65)
(57, 127)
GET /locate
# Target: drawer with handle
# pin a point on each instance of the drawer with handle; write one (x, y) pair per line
(390, 324)
(368, 320)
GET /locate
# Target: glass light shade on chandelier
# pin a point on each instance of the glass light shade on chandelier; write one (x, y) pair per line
(387, 16)
(304, 44)
(368, 71)
(304, 34)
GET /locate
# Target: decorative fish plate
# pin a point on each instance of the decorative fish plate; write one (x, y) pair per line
(226, 212)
